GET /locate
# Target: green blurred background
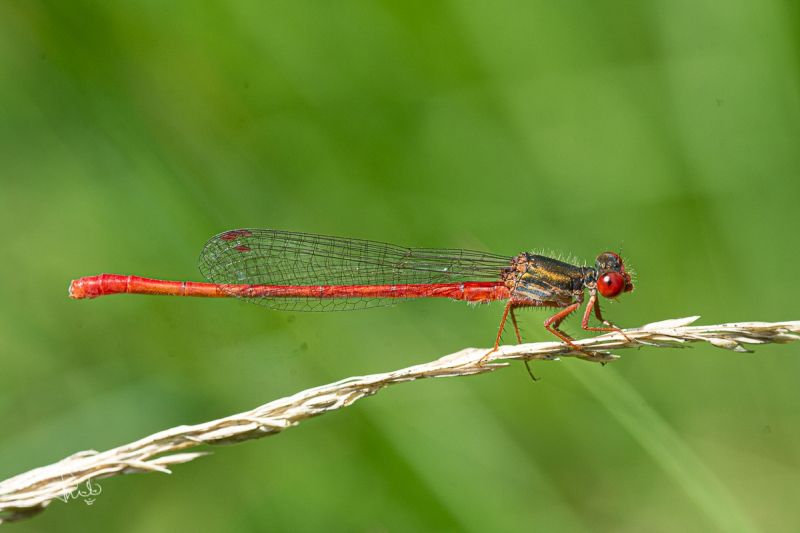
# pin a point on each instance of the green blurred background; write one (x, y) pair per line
(130, 132)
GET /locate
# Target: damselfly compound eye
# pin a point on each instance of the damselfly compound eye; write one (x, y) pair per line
(611, 284)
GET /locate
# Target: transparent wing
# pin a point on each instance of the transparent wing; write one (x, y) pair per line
(283, 258)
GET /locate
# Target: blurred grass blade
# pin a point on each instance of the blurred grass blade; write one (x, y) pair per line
(666, 448)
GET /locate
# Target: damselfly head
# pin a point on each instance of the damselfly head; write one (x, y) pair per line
(612, 280)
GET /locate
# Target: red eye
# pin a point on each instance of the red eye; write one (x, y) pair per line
(611, 284)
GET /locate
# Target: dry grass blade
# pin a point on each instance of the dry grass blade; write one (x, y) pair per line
(28, 494)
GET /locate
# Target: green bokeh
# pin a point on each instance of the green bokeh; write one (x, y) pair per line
(130, 132)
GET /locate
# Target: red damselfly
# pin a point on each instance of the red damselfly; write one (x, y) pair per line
(305, 272)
